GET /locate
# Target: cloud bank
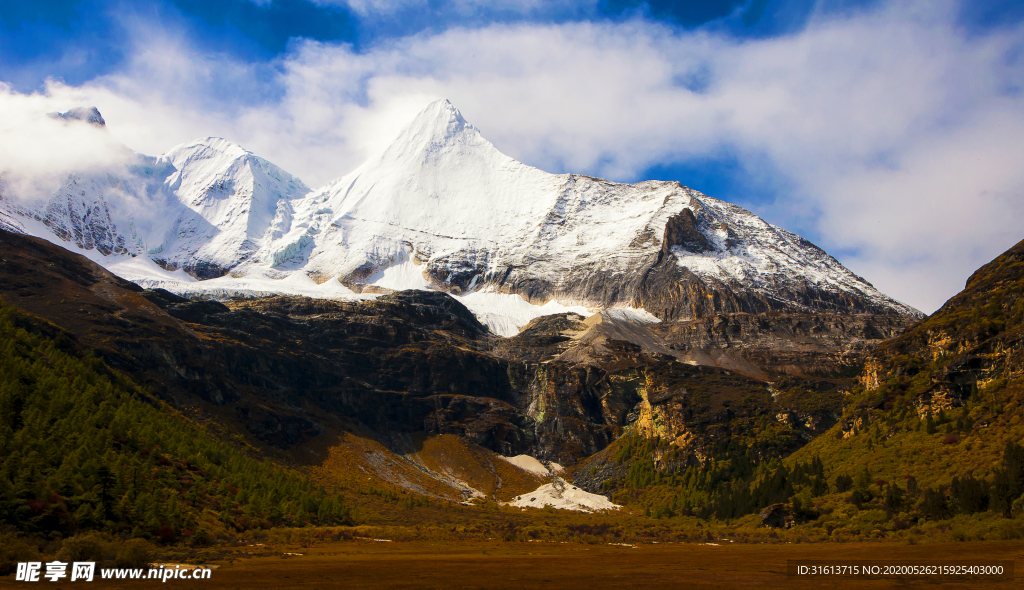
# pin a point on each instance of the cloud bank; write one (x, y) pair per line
(889, 136)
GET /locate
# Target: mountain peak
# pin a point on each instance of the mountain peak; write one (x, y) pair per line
(442, 110)
(215, 144)
(439, 122)
(90, 115)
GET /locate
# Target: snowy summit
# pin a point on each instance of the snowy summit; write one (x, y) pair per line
(441, 209)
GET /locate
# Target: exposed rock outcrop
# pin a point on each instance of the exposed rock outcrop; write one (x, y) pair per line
(975, 342)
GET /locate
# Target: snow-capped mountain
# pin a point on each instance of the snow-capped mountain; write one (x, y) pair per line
(203, 207)
(440, 208)
(234, 203)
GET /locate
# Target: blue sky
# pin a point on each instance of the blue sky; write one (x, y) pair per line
(39, 35)
(885, 132)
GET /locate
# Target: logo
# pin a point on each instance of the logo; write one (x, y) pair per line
(55, 570)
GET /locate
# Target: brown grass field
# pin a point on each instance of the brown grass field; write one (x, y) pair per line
(365, 564)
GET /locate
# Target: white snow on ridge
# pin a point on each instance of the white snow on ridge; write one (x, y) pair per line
(147, 274)
(141, 268)
(238, 204)
(253, 286)
(440, 209)
(630, 314)
(506, 314)
(759, 249)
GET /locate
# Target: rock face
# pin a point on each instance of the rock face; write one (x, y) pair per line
(90, 115)
(281, 368)
(781, 343)
(441, 208)
(975, 342)
(276, 367)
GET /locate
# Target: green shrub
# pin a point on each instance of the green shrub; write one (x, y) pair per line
(88, 547)
(1007, 530)
(13, 550)
(136, 554)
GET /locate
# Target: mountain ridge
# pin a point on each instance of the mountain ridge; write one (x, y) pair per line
(440, 209)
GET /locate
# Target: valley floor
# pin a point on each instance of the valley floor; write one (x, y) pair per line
(494, 564)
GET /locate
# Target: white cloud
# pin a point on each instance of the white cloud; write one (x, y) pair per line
(462, 7)
(365, 7)
(38, 151)
(895, 132)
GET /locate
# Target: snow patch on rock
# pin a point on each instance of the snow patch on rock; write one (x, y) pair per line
(506, 314)
(563, 496)
(297, 284)
(528, 463)
(401, 276)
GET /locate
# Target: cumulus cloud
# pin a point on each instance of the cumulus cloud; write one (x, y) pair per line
(38, 151)
(894, 134)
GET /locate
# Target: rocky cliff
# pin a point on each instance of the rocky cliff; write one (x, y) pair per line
(973, 346)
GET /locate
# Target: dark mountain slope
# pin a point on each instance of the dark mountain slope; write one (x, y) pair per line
(84, 448)
(284, 370)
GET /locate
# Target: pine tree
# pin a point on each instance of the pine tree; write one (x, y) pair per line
(893, 498)
(934, 504)
(1008, 484)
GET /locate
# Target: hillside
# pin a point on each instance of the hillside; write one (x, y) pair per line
(309, 381)
(286, 370)
(944, 399)
(928, 444)
(84, 448)
(403, 407)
